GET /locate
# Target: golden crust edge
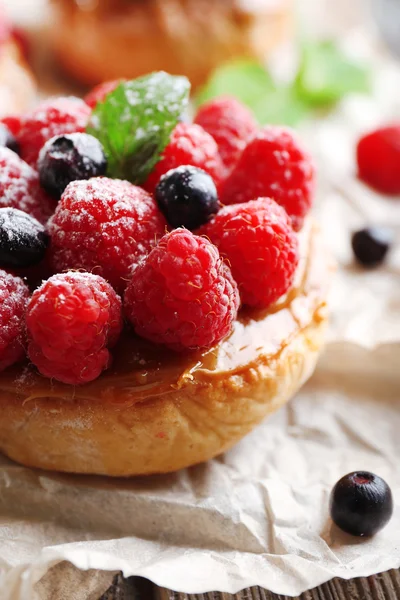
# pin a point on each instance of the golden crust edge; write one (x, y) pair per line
(164, 434)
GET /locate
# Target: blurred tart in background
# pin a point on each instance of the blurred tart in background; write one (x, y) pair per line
(98, 40)
(17, 85)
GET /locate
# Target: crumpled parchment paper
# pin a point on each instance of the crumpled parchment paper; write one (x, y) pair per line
(259, 514)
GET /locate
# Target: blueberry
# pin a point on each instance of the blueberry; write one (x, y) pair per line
(371, 245)
(70, 157)
(23, 240)
(187, 197)
(361, 503)
(7, 139)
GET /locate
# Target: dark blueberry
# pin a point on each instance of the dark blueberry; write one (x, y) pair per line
(67, 158)
(371, 245)
(361, 503)
(23, 240)
(7, 139)
(187, 197)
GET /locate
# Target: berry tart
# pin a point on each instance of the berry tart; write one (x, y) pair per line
(17, 86)
(163, 285)
(99, 40)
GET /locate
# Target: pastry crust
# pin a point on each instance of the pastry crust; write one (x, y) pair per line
(17, 86)
(109, 39)
(156, 412)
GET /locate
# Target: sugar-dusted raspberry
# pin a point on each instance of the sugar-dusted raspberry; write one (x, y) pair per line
(14, 296)
(183, 294)
(54, 116)
(13, 122)
(19, 187)
(273, 164)
(230, 123)
(99, 92)
(189, 145)
(72, 320)
(105, 226)
(259, 243)
(378, 158)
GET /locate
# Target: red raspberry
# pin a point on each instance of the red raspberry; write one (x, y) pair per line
(189, 145)
(105, 226)
(19, 187)
(273, 164)
(13, 122)
(98, 93)
(183, 294)
(14, 296)
(230, 123)
(71, 320)
(261, 247)
(378, 158)
(52, 117)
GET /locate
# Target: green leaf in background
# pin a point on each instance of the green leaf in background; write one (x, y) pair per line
(251, 83)
(247, 80)
(135, 121)
(326, 74)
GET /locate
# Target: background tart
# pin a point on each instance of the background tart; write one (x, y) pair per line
(155, 411)
(17, 85)
(97, 40)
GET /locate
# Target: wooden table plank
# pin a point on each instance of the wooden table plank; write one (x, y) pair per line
(379, 587)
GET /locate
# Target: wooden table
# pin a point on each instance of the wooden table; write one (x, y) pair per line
(378, 587)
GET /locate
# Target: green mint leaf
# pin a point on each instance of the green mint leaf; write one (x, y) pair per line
(135, 121)
(250, 83)
(247, 80)
(326, 74)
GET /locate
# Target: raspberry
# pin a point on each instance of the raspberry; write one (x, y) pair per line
(19, 187)
(13, 122)
(183, 294)
(14, 296)
(378, 158)
(52, 117)
(71, 320)
(105, 226)
(230, 123)
(98, 93)
(273, 164)
(189, 145)
(261, 247)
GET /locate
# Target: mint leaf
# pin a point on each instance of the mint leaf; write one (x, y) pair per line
(281, 106)
(135, 121)
(326, 74)
(247, 80)
(250, 83)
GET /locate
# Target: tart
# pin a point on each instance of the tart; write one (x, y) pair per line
(172, 325)
(154, 412)
(100, 40)
(17, 85)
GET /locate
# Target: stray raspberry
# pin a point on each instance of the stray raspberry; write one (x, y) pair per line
(189, 145)
(55, 116)
(230, 123)
(183, 294)
(14, 296)
(378, 158)
(275, 165)
(71, 320)
(104, 226)
(98, 93)
(20, 188)
(258, 241)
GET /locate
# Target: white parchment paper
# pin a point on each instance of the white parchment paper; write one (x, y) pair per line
(259, 514)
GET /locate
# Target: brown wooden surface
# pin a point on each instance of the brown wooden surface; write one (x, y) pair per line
(378, 587)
